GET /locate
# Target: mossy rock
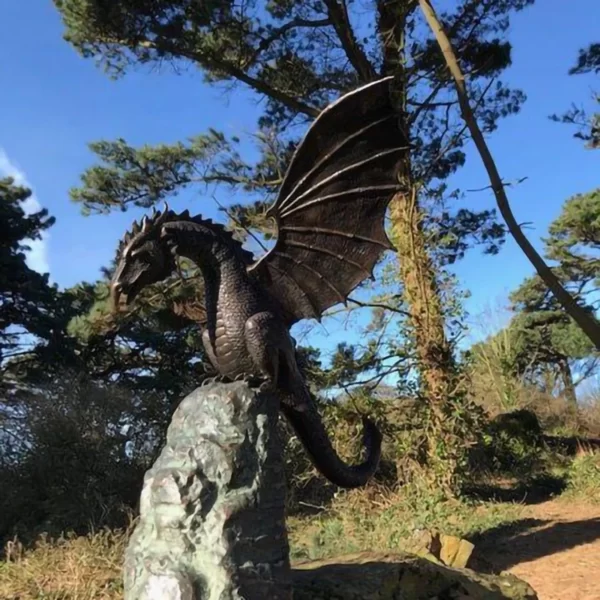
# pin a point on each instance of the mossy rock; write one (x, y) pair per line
(397, 576)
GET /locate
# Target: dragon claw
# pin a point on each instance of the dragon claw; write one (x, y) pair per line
(266, 385)
(260, 382)
(206, 381)
(215, 379)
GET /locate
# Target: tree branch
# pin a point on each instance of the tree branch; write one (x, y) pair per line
(338, 14)
(232, 70)
(259, 86)
(589, 325)
(281, 31)
(388, 307)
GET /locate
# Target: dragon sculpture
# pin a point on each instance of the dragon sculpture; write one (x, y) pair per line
(329, 215)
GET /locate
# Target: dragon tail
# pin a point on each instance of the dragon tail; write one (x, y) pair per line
(310, 430)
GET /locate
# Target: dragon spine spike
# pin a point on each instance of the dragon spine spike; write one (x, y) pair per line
(162, 217)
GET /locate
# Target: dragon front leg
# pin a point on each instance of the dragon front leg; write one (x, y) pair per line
(261, 381)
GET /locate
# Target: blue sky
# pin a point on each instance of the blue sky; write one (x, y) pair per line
(54, 103)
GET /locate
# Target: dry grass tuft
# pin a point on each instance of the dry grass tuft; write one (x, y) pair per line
(69, 568)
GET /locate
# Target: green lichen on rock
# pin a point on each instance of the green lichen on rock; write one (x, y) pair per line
(212, 522)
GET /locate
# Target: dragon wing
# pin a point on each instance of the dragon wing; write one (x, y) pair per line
(331, 207)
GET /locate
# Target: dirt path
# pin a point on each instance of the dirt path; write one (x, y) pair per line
(555, 547)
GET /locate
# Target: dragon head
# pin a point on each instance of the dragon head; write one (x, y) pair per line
(143, 258)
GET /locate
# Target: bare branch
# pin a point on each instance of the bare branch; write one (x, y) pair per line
(377, 305)
(338, 15)
(505, 184)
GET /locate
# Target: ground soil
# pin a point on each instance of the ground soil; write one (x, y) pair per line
(555, 547)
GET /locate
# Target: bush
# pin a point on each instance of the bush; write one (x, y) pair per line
(511, 444)
(74, 470)
(583, 477)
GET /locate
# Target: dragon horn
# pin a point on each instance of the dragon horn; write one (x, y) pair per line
(163, 215)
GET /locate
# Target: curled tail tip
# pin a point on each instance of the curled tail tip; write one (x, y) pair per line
(371, 433)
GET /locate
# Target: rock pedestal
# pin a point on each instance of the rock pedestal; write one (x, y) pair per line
(212, 523)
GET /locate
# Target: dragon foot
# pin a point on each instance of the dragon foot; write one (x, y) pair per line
(215, 379)
(260, 382)
(266, 385)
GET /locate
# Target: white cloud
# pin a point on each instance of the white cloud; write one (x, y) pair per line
(37, 257)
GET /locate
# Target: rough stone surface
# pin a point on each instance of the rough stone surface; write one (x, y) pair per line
(212, 520)
(391, 576)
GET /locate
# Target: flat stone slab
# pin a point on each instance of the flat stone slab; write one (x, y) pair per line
(397, 576)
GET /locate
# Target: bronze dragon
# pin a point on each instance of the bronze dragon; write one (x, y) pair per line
(329, 215)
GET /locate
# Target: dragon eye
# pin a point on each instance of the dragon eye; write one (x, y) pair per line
(146, 251)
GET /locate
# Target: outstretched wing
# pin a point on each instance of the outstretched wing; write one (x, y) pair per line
(331, 206)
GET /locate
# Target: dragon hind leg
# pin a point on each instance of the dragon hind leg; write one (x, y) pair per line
(271, 349)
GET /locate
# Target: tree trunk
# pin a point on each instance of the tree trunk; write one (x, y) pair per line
(421, 291)
(589, 325)
(422, 296)
(567, 380)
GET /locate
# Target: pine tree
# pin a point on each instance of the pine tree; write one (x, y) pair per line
(588, 125)
(25, 295)
(548, 339)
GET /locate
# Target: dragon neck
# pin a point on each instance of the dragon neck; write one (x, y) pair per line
(219, 256)
(207, 244)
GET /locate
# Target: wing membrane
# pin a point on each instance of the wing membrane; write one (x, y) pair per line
(331, 206)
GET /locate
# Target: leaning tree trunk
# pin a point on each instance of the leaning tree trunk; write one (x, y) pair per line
(589, 325)
(420, 285)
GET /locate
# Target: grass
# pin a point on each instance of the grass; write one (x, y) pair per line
(70, 568)
(583, 477)
(389, 521)
(90, 567)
